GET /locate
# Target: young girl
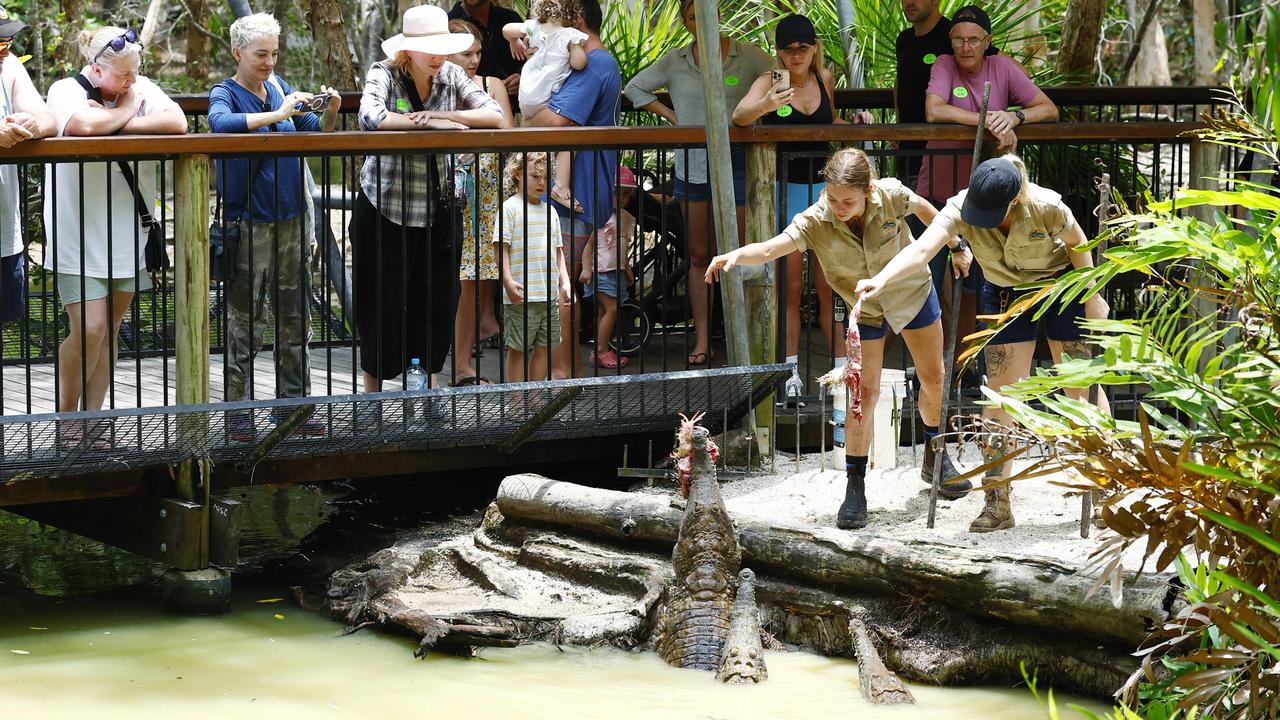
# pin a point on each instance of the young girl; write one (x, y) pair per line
(855, 228)
(606, 271)
(553, 48)
(533, 269)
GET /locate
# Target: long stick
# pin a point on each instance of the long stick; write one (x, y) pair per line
(948, 376)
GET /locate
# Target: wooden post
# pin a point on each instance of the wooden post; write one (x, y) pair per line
(721, 180)
(758, 290)
(191, 240)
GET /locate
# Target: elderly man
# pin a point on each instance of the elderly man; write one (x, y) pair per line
(954, 95)
(23, 116)
(495, 55)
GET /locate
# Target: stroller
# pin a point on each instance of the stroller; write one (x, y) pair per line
(660, 264)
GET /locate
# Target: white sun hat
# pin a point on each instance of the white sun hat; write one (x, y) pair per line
(426, 30)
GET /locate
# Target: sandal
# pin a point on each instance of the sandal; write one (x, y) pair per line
(698, 359)
(70, 434)
(470, 380)
(560, 195)
(607, 360)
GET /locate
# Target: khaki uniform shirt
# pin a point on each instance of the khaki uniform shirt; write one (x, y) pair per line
(846, 258)
(1032, 251)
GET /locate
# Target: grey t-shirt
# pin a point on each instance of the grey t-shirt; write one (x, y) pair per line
(680, 75)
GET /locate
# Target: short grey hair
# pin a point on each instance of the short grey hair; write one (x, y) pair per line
(251, 27)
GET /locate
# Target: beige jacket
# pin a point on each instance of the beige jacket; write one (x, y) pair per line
(1032, 251)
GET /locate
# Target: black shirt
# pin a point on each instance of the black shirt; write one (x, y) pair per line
(495, 58)
(915, 63)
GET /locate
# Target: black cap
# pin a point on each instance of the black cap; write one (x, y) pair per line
(794, 29)
(8, 26)
(972, 14)
(995, 184)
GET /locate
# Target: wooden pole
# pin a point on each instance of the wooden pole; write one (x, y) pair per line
(191, 240)
(758, 289)
(721, 180)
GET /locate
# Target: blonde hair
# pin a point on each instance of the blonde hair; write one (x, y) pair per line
(1021, 167)
(850, 168)
(819, 64)
(560, 11)
(251, 27)
(93, 45)
(515, 170)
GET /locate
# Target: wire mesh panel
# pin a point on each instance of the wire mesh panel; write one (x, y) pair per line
(488, 416)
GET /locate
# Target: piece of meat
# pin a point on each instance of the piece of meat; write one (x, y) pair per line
(853, 363)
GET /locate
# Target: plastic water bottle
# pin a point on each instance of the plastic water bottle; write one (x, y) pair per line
(415, 381)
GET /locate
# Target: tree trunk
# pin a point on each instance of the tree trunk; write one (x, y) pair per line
(1150, 65)
(1033, 46)
(197, 43)
(1204, 15)
(324, 17)
(281, 12)
(1081, 29)
(1032, 592)
(68, 56)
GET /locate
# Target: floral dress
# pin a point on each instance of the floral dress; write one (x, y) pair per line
(482, 193)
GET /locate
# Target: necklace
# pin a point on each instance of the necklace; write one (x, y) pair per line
(797, 86)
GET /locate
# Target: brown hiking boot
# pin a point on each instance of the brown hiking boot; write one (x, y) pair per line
(996, 513)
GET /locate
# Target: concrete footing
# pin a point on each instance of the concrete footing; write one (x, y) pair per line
(196, 592)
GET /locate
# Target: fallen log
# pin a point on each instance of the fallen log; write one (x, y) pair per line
(1026, 591)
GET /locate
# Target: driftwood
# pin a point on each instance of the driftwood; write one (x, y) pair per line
(1029, 592)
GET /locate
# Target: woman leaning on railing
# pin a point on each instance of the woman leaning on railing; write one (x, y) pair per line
(98, 214)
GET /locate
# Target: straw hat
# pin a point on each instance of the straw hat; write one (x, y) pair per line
(426, 30)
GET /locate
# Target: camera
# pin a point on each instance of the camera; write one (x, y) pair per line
(781, 79)
(318, 103)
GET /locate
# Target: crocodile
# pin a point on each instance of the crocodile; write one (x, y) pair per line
(743, 660)
(695, 621)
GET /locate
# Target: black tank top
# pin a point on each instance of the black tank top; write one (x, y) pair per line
(805, 170)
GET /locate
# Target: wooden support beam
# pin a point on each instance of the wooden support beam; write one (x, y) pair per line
(538, 419)
(191, 240)
(278, 434)
(759, 290)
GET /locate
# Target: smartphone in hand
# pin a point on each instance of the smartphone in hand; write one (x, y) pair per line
(781, 79)
(318, 103)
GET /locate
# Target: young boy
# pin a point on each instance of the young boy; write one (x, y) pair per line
(533, 269)
(606, 271)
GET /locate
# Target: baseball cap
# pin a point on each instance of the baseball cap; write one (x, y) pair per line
(626, 178)
(10, 26)
(995, 184)
(972, 14)
(794, 29)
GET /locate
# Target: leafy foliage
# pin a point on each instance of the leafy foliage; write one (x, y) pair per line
(1198, 473)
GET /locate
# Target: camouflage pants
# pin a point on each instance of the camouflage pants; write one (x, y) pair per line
(271, 273)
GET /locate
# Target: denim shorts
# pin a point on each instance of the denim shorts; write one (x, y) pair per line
(1059, 324)
(609, 282)
(927, 316)
(699, 192)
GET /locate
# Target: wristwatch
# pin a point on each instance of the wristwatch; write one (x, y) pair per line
(1021, 117)
(960, 245)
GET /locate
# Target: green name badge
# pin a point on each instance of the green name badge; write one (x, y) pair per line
(930, 59)
(784, 111)
(402, 105)
(731, 80)
(960, 92)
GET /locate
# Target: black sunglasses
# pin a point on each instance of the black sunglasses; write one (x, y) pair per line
(117, 44)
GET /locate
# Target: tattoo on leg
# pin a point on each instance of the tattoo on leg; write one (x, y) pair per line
(1076, 349)
(997, 358)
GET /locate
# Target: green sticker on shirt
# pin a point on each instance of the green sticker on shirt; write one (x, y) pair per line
(402, 105)
(930, 59)
(784, 111)
(960, 92)
(731, 80)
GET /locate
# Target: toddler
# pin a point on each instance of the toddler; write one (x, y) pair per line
(606, 271)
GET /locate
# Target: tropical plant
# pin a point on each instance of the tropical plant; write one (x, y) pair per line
(1198, 473)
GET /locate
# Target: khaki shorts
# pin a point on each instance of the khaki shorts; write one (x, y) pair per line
(96, 288)
(541, 330)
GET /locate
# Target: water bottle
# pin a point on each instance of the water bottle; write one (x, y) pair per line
(415, 381)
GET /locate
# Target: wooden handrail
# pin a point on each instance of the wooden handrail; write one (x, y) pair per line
(882, 98)
(381, 143)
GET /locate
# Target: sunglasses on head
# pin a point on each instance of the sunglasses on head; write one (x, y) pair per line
(118, 43)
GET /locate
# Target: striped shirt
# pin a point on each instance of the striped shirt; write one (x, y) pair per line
(395, 183)
(533, 232)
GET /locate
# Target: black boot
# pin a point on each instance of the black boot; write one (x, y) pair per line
(853, 511)
(950, 488)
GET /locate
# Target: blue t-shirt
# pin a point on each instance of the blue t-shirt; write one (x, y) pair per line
(229, 104)
(590, 97)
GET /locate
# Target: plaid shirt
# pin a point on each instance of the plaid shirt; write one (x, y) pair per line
(397, 184)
